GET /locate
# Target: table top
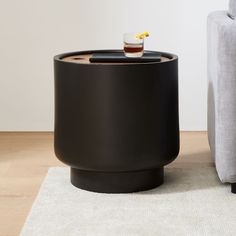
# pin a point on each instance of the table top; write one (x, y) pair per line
(84, 56)
(84, 59)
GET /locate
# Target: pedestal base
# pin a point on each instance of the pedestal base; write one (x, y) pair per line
(233, 188)
(117, 182)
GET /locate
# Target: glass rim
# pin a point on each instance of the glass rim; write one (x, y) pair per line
(132, 37)
(131, 33)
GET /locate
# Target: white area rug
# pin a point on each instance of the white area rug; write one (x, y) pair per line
(191, 202)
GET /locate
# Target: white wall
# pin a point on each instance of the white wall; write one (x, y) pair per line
(32, 32)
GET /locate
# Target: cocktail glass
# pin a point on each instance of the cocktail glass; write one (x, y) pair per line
(133, 45)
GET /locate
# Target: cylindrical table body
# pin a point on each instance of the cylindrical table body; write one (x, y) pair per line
(116, 124)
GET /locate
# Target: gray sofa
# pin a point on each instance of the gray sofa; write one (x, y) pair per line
(222, 92)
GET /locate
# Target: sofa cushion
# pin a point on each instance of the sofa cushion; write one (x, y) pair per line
(232, 9)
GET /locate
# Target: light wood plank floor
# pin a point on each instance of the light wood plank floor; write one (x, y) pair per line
(26, 157)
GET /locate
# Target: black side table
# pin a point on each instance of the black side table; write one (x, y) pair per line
(116, 124)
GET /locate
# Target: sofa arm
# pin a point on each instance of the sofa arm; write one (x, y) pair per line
(222, 93)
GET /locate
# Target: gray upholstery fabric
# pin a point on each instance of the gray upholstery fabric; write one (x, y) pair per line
(232, 9)
(222, 93)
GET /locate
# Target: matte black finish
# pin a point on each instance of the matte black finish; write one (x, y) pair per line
(117, 182)
(233, 187)
(120, 57)
(116, 118)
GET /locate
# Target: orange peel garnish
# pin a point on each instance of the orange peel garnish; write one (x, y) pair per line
(142, 35)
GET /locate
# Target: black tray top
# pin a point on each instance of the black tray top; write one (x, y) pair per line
(120, 57)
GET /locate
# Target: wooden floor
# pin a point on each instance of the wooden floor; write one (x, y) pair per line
(26, 157)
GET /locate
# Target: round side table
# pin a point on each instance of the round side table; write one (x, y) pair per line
(116, 124)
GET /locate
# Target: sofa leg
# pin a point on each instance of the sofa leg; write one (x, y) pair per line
(233, 187)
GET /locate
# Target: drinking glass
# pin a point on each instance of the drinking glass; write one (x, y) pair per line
(133, 46)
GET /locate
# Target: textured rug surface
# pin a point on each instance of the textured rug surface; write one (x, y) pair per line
(191, 202)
